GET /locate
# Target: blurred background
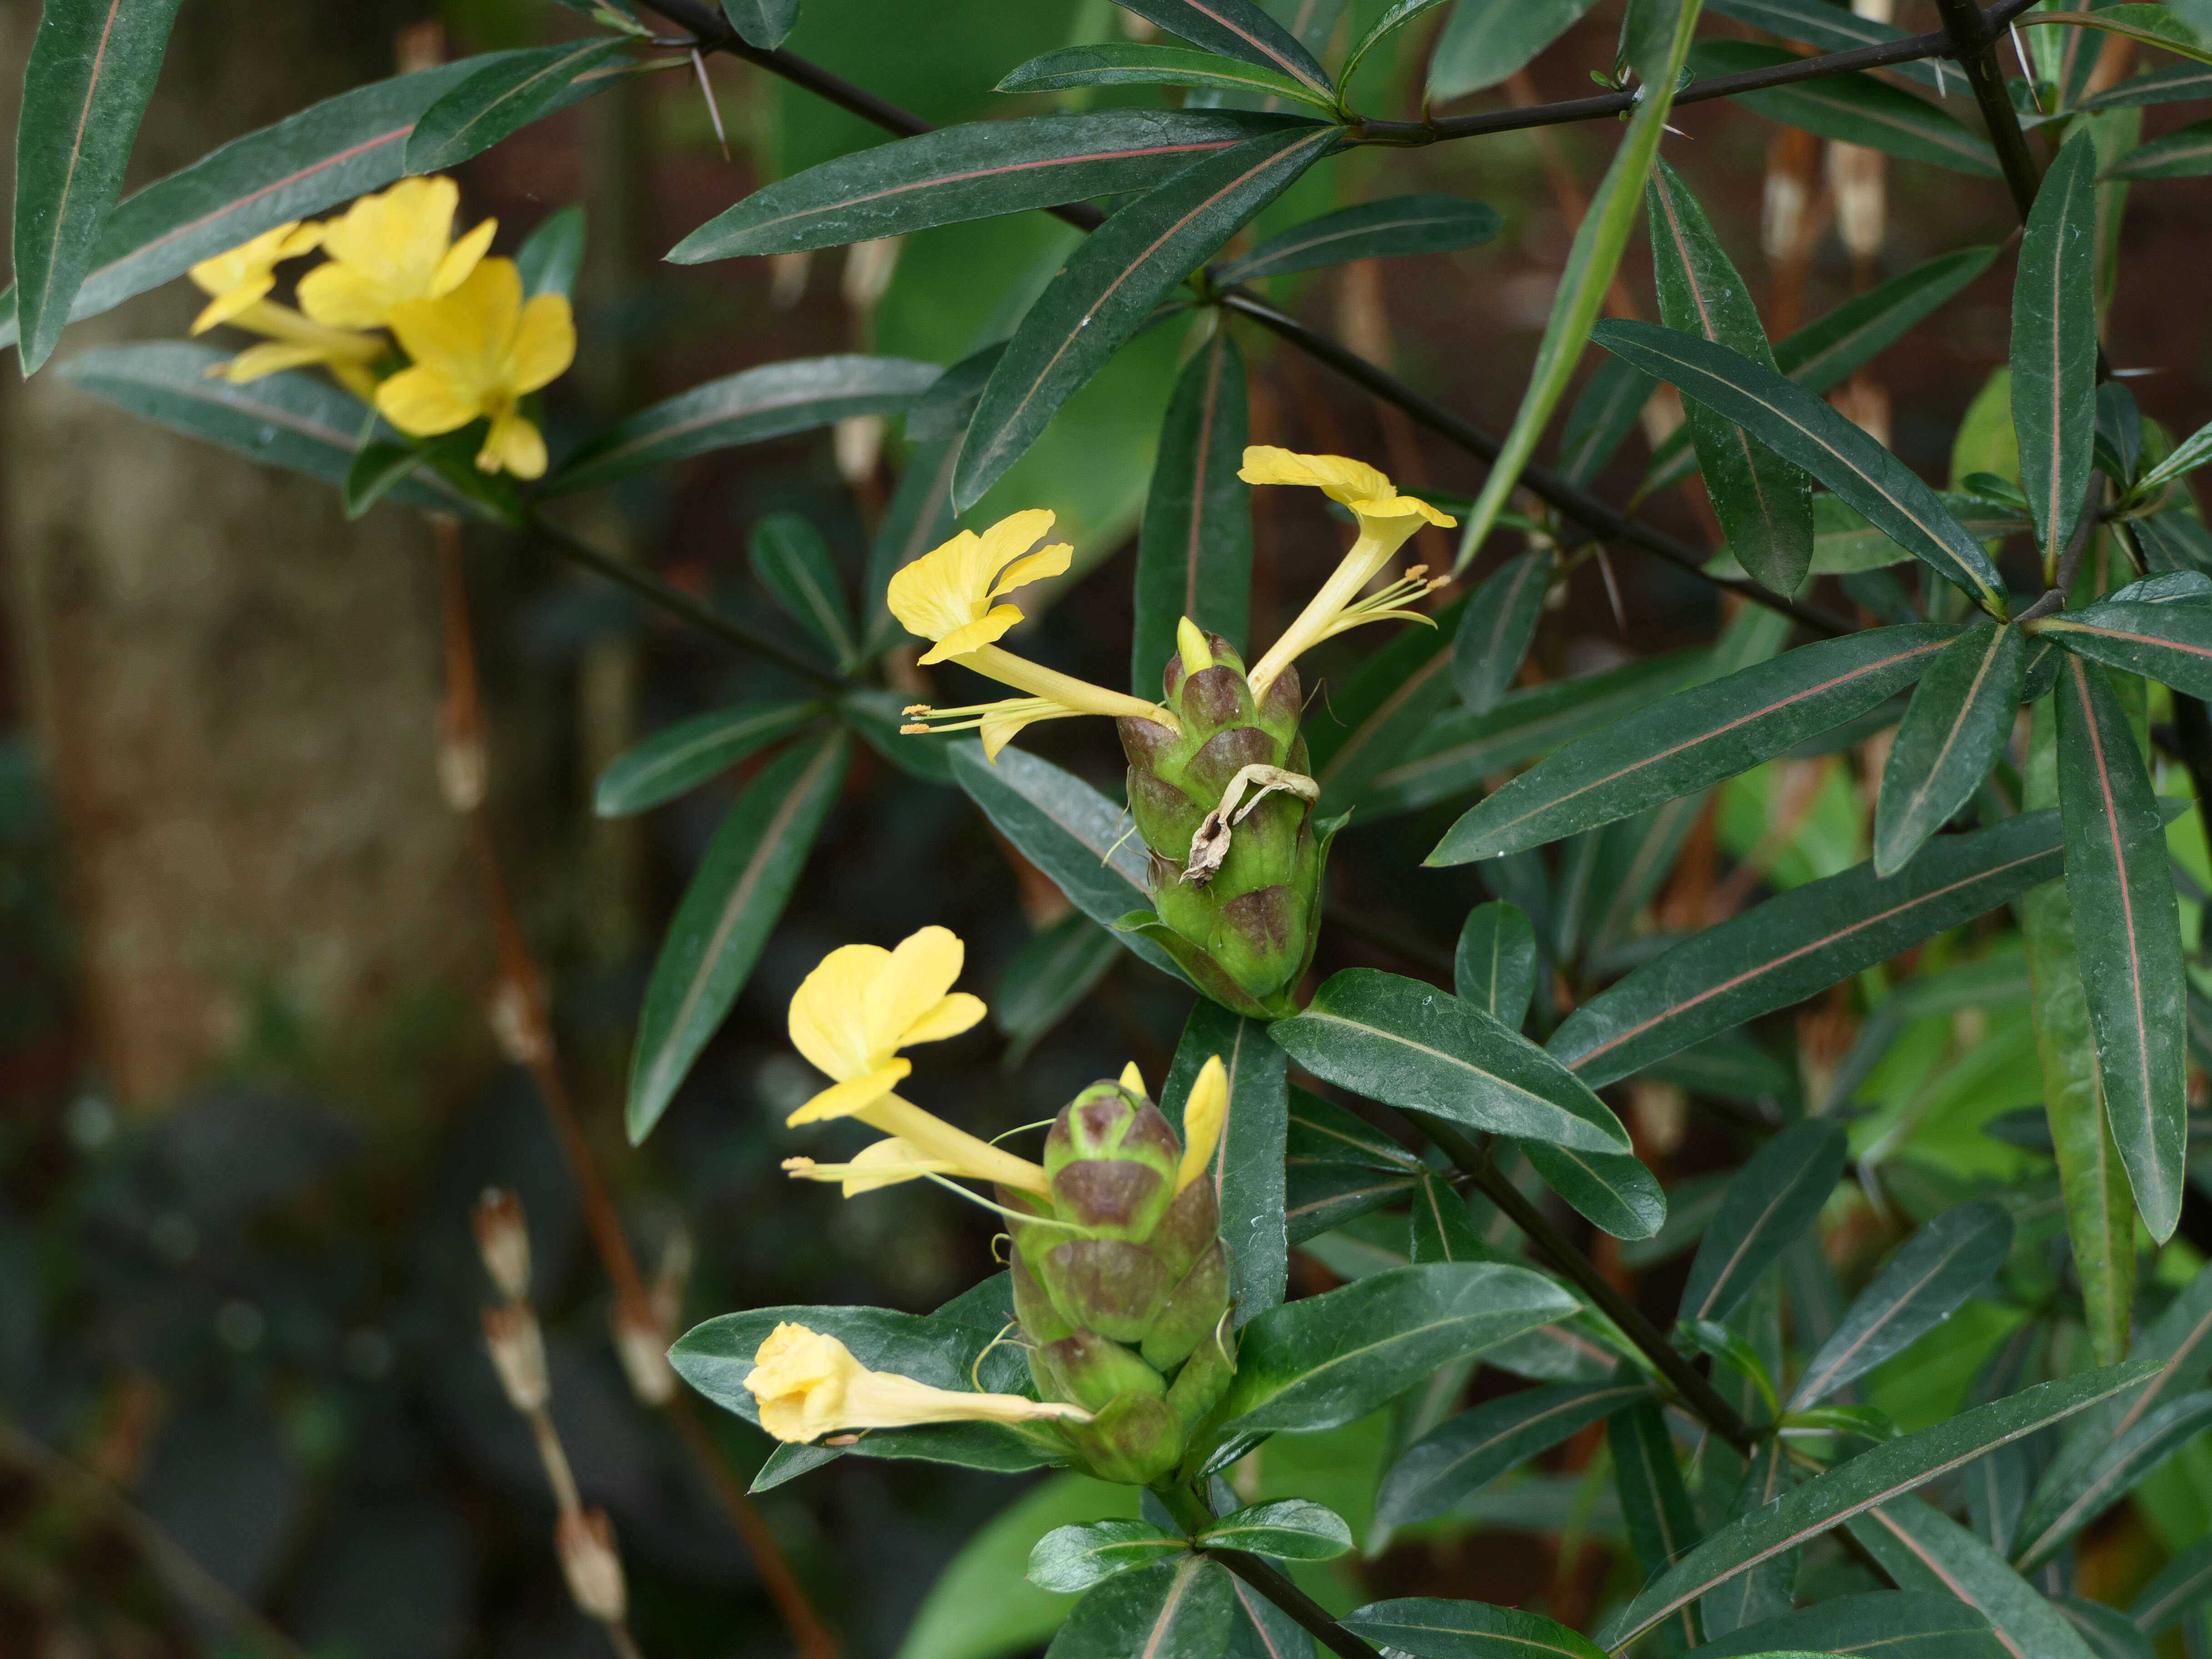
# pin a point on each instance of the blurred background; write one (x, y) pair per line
(248, 1090)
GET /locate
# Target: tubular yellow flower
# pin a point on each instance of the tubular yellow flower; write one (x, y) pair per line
(296, 342)
(1386, 520)
(476, 351)
(949, 596)
(248, 271)
(808, 1385)
(852, 1015)
(389, 248)
(1204, 1115)
(886, 1164)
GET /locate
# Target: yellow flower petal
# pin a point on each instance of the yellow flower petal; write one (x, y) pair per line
(1034, 567)
(1132, 1079)
(345, 297)
(1341, 478)
(424, 402)
(1013, 536)
(544, 342)
(224, 306)
(930, 596)
(806, 1384)
(884, 1164)
(853, 1095)
(953, 1015)
(1204, 1115)
(461, 258)
(271, 358)
(514, 446)
(969, 636)
(912, 984)
(1404, 507)
(825, 1021)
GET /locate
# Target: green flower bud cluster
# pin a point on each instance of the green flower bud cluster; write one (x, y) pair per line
(1245, 935)
(1122, 1286)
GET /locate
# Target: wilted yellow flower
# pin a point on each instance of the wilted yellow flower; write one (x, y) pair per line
(1386, 518)
(852, 1015)
(476, 351)
(296, 342)
(248, 271)
(1204, 1115)
(392, 247)
(950, 596)
(808, 1385)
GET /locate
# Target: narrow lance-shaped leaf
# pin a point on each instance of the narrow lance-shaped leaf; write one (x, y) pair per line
(1432, 1628)
(1694, 738)
(1118, 63)
(1921, 1548)
(1417, 1048)
(92, 69)
(2128, 934)
(1236, 28)
(794, 563)
(1484, 41)
(1895, 1623)
(2057, 1510)
(1248, 1163)
(1960, 715)
(1108, 287)
(1806, 430)
(1328, 1360)
(1833, 28)
(1494, 967)
(1662, 1528)
(1852, 109)
(503, 98)
(1793, 946)
(1604, 412)
(1052, 972)
(2181, 1583)
(1386, 710)
(748, 407)
(1496, 629)
(1429, 222)
(2184, 153)
(2054, 346)
(1180, 1609)
(1769, 1202)
(1195, 551)
(2170, 642)
(763, 23)
(551, 255)
(2177, 83)
(1833, 346)
(1872, 1478)
(1400, 13)
(1477, 1446)
(726, 916)
(1613, 1190)
(1767, 1591)
(2150, 26)
(1938, 1269)
(685, 755)
(2191, 453)
(1764, 503)
(1591, 263)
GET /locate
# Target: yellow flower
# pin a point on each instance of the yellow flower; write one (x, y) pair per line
(808, 1384)
(886, 1164)
(248, 271)
(476, 352)
(296, 343)
(392, 247)
(1386, 518)
(852, 1015)
(949, 596)
(1204, 1115)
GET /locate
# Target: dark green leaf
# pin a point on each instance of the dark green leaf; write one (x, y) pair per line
(1067, 829)
(1476, 1447)
(2054, 345)
(1428, 223)
(2110, 1634)
(2181, 1584)
(1831, 348)
(919, 518)
(1793, 946)
(1613, 1190)
(1764, 1593)
(1893, 1624)
(1264, 1631)
(1852, 108)
(2191, 453)
(2174, 84)
(1067, 1559)
(92, 68)
(1832, 29)
(732, 904)
(551, 255)
(1359, 731)
(505, 96)
(946, 409)
(1236, 28)
(1938, 1269)
(1121, 63)
(2173, 540)
(1771, 1200)
(1693, 738)
(1177, 1609)
(1495, 632)
(1442, 1229)
(2167, 641)
(2128, 934)
(1321, 1130)
(1764, 503)
(1328, 1359)
(1485, 41)
(288, 420)
(1320, 1195)
(976, 171)
(1872, 1478)
(1417, 1048)
(1052, 972)
(1960, 717)
(768, 402)
(1194, 552)
(1107, 289)
(684, 755)
(1804, 429)
(2069, 1498)
(1610, 404)
(1922, 1549)
(792, 561)
(1428, 1628)
(763, 23)
(1288, 1530)
(2184, 153)
(877, 715)
(1248, 1167)
(1662, 1528)
(376, 468)
(1495, 966)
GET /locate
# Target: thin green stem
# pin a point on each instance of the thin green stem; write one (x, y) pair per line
(1190, 1511)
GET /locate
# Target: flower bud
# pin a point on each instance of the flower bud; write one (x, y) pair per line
(1135, 1440)
(518, 1354)
(584, 1541)
(503, 1241)
(642, 1339)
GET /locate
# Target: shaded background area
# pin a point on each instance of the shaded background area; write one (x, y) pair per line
(247, 1092)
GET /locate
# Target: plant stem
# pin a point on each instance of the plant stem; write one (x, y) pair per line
(1973, 35)
(1696, 1392)
(1190, 1511)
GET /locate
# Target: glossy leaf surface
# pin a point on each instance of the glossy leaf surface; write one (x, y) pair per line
(684, 755)
(1495, 631)
(1118, 63)
(792, 561)
(1852, 108)
(1768, 1203)
(1484, 41)
(1288, 1530)
(1477, 1446)
(1960, 716)
(503, 97)
(1246, 1171)
(1830, 28)
(1494, 967)
(1830, 348)
(1431, 1628)
(1921, 1548)
(1180, 1609)
(1427, 222)
(2170, 642)
(1068, 1559)
(1235, 28)
(2054, 345)
(1896, 1624)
